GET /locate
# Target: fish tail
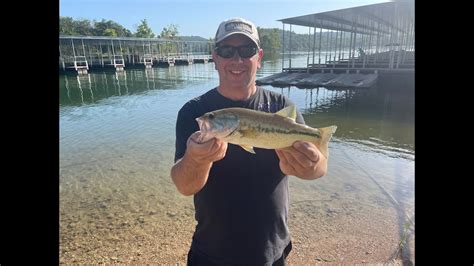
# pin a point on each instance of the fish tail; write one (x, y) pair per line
(323, 142)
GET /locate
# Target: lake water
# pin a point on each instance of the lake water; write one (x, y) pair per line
(117, 147)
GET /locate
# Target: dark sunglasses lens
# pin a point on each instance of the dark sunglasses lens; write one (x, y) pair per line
(226, 51)
(229, 51)
(247, 51)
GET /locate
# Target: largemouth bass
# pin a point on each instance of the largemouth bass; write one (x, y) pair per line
(249, 128)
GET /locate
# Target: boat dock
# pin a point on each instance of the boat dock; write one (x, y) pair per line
(82, 54)
(356, 47)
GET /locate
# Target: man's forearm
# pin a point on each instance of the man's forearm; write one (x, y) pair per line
(190, 176)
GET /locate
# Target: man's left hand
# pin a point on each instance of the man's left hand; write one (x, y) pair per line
(303, 160)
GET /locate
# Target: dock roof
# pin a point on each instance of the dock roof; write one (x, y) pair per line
(366, 19)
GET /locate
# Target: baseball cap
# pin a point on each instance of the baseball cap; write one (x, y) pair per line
(237, 26)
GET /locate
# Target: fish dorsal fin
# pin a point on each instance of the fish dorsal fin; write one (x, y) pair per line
(248, 148)
(289, 111)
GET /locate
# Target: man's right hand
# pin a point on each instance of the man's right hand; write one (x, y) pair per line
(190, 173)
(207, 152)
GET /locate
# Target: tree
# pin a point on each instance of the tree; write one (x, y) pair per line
(66, 26)
(170, 32)
(83, 27)
(144, 31)
(110, 28)
(110, 32)
(270, 40)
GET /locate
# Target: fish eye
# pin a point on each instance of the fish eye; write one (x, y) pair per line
(211, 116)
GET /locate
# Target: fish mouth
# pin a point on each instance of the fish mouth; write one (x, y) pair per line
(204, 125)
(205, 128)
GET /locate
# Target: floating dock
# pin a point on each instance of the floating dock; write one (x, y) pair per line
(328, 80)
(356, 47)
(82, 54)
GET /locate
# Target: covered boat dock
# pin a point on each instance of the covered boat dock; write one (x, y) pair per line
(355, 47)
(83, 53)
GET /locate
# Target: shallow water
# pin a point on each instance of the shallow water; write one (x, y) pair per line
(117, 148)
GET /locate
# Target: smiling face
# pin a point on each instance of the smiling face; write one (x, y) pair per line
(237, 75)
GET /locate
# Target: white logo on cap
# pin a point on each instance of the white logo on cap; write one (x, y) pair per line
(238, 26)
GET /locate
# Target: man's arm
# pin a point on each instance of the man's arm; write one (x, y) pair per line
(190, 173)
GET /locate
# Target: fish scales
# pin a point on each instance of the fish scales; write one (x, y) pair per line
(250, 128)
(272, 131)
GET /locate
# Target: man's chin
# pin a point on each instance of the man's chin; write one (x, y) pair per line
(239, 84)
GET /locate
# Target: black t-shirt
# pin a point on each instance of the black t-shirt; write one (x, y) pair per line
(241, 211)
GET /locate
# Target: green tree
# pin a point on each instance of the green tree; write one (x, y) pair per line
(66, 26)
(144, 31)
(170, 32)
(110, 32)
(83, 27)
(270, 40)
(110, 28)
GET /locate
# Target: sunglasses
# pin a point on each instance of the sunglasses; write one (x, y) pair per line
(245, 51)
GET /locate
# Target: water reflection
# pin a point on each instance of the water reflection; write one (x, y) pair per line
(93, 87)
(78, 90)
(121, 79)
(150, 77)
(371, 119)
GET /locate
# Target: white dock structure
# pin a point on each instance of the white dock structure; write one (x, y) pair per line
(80, 64)
(148, 60)
(352, 48)
(84, 53)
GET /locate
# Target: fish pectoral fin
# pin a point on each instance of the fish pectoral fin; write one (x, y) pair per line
(289, 111)
(248, 148)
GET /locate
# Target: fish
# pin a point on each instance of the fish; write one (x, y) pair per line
(251, 128)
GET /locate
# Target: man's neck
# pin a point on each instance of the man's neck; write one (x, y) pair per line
(239, 94)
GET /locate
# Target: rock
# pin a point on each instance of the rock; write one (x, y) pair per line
(125, 224)
(327, 258)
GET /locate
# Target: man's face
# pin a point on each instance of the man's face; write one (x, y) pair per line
(237, 72)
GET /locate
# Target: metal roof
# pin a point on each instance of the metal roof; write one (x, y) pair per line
(109, 38)
(366, 19)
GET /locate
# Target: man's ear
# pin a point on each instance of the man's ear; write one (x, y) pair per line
(260, 58)
(214, 56)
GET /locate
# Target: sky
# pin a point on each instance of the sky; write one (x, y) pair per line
(200, 17)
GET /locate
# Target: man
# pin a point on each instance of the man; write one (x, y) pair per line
(240, 199)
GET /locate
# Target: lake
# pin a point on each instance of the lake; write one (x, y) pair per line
(117, 133)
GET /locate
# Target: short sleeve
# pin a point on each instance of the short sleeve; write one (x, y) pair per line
(185, 126)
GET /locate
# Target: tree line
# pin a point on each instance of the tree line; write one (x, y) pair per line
(85, 27)
(271, 39)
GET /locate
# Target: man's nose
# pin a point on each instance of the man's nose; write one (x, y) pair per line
(237, 57)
